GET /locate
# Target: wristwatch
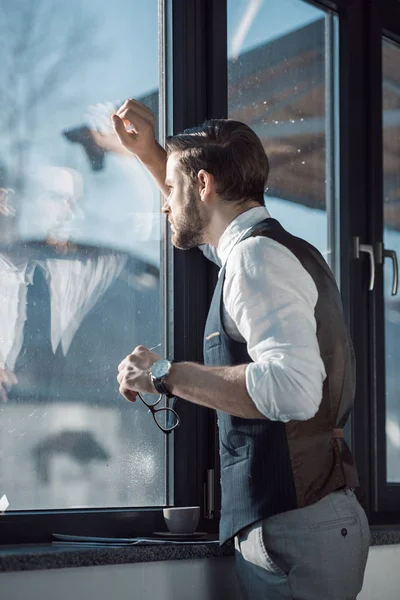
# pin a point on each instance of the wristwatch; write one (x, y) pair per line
(158, 372)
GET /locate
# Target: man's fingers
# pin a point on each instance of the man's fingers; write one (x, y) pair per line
(121, 378)
(143, 110)
(124, 136)
(123, 374)
(132, 372)
(134, 118)
(122, 365)
(129, 395)
(138, 108)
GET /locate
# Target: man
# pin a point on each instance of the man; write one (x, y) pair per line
(279, 366)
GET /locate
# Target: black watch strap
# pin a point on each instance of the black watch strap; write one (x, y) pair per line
(161, 388)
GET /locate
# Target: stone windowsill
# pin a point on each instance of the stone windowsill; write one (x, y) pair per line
(46, 556)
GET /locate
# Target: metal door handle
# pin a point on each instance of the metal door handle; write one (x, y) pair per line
(370, 251)
(392, 254)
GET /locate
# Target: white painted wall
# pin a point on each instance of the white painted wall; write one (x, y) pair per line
(382, 577)
(212, 579)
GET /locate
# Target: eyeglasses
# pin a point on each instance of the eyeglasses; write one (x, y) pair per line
(165, 417)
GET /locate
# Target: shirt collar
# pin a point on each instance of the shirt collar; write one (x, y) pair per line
(232, 233)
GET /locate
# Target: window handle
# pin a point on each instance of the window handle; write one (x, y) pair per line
(357, 249)
(392, 254)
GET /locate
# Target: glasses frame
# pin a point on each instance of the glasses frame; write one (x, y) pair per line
(152, 408)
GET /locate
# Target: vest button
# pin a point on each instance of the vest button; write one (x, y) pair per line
(344, 532)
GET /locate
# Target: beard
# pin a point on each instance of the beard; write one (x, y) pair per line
(189, 226)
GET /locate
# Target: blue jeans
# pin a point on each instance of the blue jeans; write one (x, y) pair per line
(313, 553)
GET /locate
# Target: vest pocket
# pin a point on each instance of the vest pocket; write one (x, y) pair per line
(210, 344)
(233, 456)
(214, 334)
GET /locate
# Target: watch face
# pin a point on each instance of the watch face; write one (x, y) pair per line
(160, 368)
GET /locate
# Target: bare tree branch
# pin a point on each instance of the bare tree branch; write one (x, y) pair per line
(42, 45)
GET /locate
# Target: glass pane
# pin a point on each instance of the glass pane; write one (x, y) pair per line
(282, 83)
(391, 189)
(79, 255)
(166, 418)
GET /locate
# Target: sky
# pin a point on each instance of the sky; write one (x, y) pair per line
(271, 19)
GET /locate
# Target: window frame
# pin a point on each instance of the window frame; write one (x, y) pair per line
(385, 500)
(200, 92)
(362, 28)
(196, 74)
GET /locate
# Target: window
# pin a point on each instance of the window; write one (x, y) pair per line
(81, 267)
(86, 270)
(281, 82)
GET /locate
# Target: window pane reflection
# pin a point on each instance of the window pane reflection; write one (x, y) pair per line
(391, 189)
(281, 83)
(79, 255)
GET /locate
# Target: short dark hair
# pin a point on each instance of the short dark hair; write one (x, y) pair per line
(230, 151)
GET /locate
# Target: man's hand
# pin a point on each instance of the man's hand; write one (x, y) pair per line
(133, 373)
(7, 380)
(134, 125)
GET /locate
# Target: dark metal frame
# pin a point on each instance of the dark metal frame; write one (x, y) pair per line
(362, 25)
(200, 92)
(353, 222)
(375, 233)
(384, 22)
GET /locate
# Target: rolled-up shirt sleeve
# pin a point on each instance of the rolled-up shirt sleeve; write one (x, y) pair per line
(270, 298)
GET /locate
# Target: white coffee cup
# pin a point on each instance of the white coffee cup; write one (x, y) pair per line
(182, 519)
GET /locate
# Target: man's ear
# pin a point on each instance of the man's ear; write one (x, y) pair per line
(206, 184)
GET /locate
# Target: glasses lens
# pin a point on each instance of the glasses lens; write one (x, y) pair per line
(150, 399)
(167, 419)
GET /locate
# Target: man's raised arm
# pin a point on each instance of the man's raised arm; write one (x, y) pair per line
(134, 125)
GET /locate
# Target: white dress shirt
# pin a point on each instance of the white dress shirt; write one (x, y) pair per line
(269, 301)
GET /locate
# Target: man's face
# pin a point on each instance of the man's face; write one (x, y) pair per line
(183, 207)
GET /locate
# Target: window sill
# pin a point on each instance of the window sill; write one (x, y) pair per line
(385, 535)
(45, 556)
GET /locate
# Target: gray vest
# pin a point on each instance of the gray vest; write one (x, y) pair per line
(269, 467)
